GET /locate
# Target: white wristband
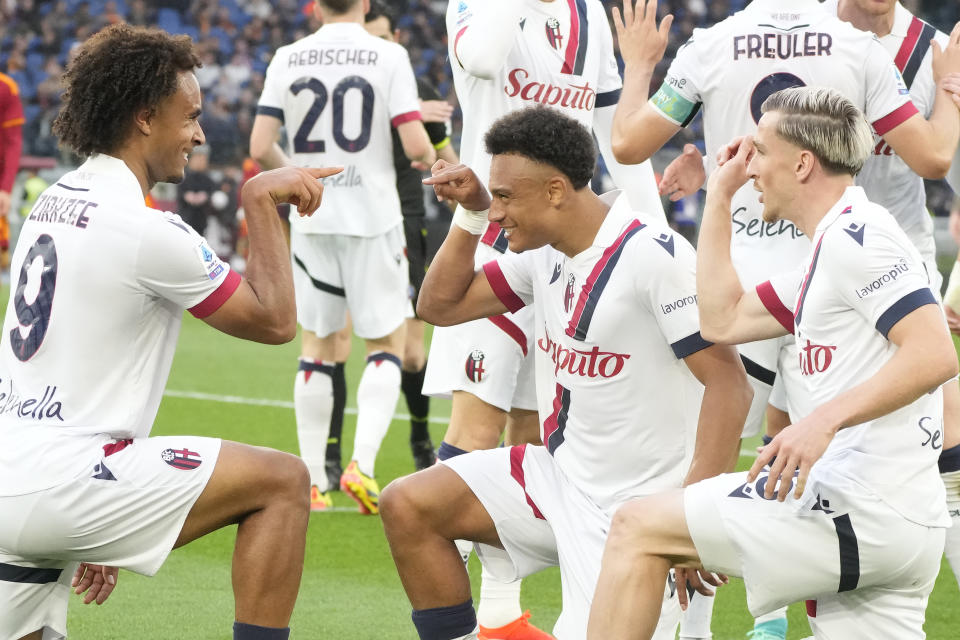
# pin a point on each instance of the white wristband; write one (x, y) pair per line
(952, 297)
(473, 222)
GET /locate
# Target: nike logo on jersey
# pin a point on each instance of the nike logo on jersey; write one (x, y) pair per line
(666, 241)
(556, 273)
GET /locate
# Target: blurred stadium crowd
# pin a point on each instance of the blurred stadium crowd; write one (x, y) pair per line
(237, 38)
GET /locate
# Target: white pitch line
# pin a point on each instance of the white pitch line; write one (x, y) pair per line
(286, 404)
(267, 402)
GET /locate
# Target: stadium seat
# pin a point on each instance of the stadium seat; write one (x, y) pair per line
(168, 20)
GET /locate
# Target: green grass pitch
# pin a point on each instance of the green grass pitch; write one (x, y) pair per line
(350, 588)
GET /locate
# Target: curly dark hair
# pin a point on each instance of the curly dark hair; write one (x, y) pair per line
(117, 72)
(338, 7)
(379, 9)
(548, 136)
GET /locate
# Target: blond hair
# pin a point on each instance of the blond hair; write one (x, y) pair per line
(824, 122)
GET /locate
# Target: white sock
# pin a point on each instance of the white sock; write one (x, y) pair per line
(773, 615)
(377, 397)
(499, 601)
(695, 621)
(313, 407)
(951, 480)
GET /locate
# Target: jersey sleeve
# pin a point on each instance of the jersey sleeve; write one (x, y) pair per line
(888, 99)
(403, 103)
(877, 275)
(176, 263)
(609, 83)
(679, 97)
(482, 33)
(271, 99)
(668, 283)
(779, 295)
(511, 278)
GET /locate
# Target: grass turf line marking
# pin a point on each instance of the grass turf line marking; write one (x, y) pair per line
(286, 404)
(267, 402)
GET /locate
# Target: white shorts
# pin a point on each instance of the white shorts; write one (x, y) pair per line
(492, 358)
(367, 276)
(761, 360)
(127, 512)
(543, 520)
(869, 570)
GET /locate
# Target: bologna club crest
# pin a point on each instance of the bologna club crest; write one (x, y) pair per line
(183, 459)
(554, 37)
(474, 366)
(568, 294)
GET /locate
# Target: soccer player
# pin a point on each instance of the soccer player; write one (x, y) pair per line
(730, 69)
(338, 91)
(621, 372)
(101, 282)
(860, 533)
(436, 120)
(505, 55)
(11, 144)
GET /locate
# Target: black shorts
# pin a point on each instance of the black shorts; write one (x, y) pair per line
(415, 230)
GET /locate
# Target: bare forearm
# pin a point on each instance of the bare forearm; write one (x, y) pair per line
(627, 137)
(944, 135)
(718, 286)
(726, 401)
(273, 157)
(448, 278)
(909, 374)
(268, 269)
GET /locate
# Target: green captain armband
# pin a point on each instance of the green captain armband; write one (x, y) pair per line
(442, 143)
(673, 105)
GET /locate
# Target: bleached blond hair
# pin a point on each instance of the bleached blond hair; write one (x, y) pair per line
(824, 122)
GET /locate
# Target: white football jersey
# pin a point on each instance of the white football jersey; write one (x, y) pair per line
(338, 92)
(618, 406)
(561, 57)
(862, 277)
(733, 66)
(886, 177)
(100, 282)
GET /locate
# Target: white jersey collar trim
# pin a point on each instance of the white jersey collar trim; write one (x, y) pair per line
(620, 213)
(102, 164)
(901, 21)
(853, 195)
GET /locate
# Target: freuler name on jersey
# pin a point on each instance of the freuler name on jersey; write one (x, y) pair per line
(782, 45)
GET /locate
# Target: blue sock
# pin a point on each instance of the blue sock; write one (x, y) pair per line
(444, 623)
(447, 451)
(950, 459)
(244, 631)
(777, 628)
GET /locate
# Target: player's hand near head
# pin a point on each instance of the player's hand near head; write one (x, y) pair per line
(946, 60)
(797, 446)
(298, 186)
(458, 182)
(97, 580)
(733, 161)
(642, 43)
(685, 175)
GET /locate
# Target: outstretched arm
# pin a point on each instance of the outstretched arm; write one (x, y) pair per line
(452, 291)
(264, 147)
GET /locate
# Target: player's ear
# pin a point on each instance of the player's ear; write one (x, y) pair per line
(143, 120)
(557, 188)
(806, 162)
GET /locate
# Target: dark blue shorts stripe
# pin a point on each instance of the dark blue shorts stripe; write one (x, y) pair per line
(28, 575)
(270, 111)
(849, 554)
(758, 372)
(689, 345)
(319, 284)
(899, 309)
